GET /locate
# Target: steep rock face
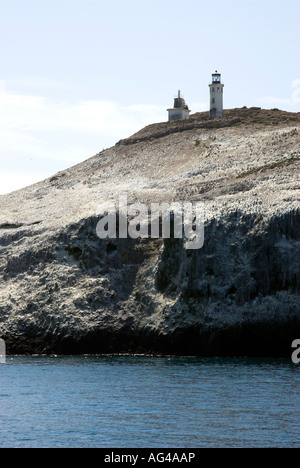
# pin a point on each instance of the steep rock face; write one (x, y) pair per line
(64, 290)
(240, 290)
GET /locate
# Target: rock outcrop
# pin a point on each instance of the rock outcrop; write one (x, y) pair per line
(65, 290)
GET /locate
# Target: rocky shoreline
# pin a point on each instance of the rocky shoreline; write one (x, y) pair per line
(65, 291)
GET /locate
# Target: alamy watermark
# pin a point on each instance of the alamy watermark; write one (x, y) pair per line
(2, 351)
(296, 354)
(181, 220)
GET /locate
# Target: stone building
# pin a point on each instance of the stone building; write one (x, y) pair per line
(180, 109)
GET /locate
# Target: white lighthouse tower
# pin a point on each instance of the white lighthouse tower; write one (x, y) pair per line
(216, 95)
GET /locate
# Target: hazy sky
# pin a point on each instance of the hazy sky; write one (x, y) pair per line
(76, 76)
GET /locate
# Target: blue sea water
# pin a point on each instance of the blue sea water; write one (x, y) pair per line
(138, 401)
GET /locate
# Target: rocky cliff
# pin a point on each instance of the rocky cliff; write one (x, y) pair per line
(65, 290)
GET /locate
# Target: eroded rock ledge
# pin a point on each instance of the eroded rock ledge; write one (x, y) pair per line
(64, 290)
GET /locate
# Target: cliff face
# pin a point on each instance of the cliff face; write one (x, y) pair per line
(64, 290)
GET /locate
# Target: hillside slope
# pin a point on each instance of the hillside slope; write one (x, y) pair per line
(64, 290)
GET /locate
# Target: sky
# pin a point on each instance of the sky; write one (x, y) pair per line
(76, 76)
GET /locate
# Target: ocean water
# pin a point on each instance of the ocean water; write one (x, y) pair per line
(137, 401)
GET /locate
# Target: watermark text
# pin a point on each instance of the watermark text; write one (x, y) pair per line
(296, 354)
(2, 351)
(178, 219)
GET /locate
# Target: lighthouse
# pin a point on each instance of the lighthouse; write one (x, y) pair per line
(216, 95)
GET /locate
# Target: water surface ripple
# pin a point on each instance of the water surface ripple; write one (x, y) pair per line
(137, 401)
